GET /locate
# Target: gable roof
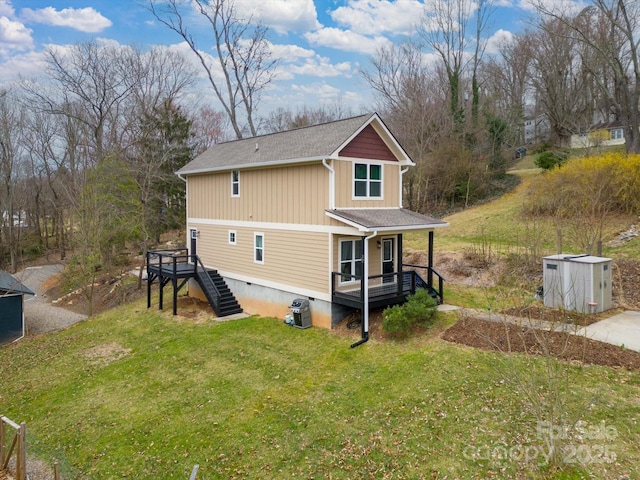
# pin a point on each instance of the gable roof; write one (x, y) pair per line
(384, 219)
(317, 142)
(9, 284)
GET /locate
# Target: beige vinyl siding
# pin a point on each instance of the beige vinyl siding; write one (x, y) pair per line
(291, 258)
(344, 186)
(292, 194)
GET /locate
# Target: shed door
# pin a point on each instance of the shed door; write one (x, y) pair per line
(11, 320)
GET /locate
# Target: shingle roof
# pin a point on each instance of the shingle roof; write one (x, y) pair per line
(8, 284)
(370, 219)
(302, 144)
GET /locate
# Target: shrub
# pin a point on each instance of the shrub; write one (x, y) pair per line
(548, 160)
(420, 309)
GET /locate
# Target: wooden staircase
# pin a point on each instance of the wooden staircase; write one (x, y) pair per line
(218, 294)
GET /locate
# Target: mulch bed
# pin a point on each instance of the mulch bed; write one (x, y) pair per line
(499, 336)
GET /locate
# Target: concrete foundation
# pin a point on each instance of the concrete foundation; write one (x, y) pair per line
(270, 302)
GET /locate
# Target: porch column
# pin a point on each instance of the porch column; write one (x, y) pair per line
(400, 278)
(430, 260)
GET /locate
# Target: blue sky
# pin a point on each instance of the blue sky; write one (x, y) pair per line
(324, 44)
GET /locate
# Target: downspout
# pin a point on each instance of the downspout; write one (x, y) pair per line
(365, 272)
(332, 186)
(402, 172)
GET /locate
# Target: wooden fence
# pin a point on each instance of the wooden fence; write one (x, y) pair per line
(18, 446)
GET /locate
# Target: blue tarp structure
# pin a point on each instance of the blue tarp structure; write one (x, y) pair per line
(12, 294)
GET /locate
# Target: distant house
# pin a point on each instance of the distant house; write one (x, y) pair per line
(12, 294)
(537, 129)
(600, 135)
(313, 213)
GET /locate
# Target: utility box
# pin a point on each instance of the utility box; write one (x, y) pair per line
(577, 282)
(301, 313)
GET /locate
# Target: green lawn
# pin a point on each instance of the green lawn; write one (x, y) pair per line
(138, 394)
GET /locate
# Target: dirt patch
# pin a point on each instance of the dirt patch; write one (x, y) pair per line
(109, 291)
(106, 353)
(505, 337)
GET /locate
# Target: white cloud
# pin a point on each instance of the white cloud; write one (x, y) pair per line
(370, 17)
(14, 36)
(27, 65)
(290, 53)
(498, 39)
(6, 9)
(346, 40)
(82, 19)
(283, 16)
(321, 67)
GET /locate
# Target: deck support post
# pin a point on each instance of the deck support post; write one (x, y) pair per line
(174, 282)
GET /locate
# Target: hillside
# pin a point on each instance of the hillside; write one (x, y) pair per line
(136, 393)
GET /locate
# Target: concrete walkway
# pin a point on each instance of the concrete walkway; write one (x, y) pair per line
(622, 329)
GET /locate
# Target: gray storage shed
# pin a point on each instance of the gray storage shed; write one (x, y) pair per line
(12, 294)
(577, 282)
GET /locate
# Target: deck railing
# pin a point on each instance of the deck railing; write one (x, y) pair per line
(390, 286)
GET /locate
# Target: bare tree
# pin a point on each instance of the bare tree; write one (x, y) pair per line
(11, 152)
(445, 30)
(506, 79)
(243, 55)
(559, 80)
(286, 119)
(610, 31)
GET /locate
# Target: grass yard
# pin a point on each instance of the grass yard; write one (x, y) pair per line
(140, 394)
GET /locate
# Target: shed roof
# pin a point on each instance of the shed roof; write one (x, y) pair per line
(304, 144)
(385, 219)
(9, 284)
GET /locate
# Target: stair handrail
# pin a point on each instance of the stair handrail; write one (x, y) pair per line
(440, 289)
(196, 262)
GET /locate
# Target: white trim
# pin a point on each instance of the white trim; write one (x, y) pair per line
(255, 248)
(368, 196)
(395, 228)
(235, 195)
(353, 260)
(235, 237)
(297, 227)
(400, 187)
(260, 165)
(375, 117)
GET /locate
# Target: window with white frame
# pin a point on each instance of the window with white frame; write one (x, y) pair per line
(350, 260)
(258, 247)
(235, 183)
(232, 237)
(617, 134)
(367, 180)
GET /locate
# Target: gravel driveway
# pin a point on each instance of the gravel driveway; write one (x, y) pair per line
(40, 315)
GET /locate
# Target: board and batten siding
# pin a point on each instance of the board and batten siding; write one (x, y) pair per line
(296, 259)
(344, 186)
(368, 144)
(291, 194)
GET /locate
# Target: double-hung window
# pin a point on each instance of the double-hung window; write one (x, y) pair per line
(235, 183)
(258, 247)
(617, 134)
(367, 180)
(350, 260)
